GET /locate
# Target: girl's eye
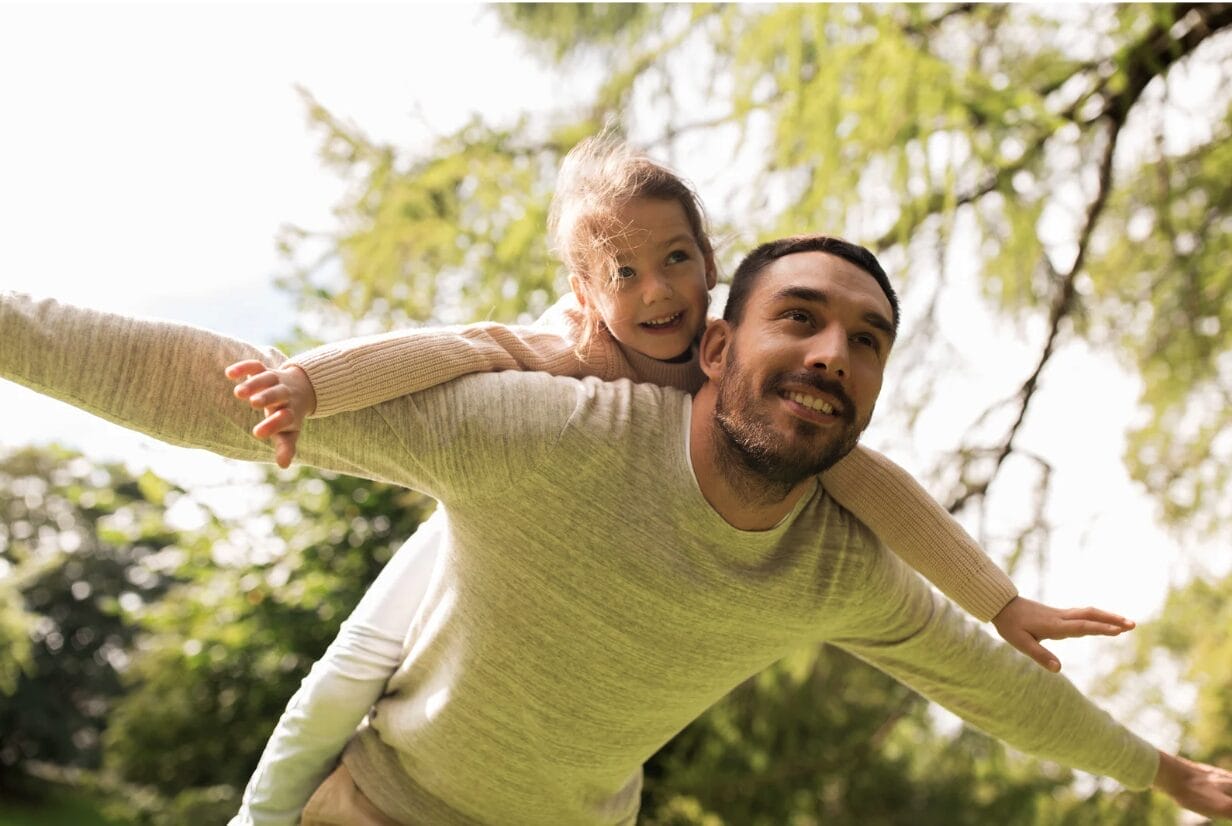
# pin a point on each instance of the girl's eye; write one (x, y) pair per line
(624, 273)
(676, 256)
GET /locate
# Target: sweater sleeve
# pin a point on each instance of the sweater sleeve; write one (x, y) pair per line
(912, 524)
(899, 626)
(166, 380)
(361, 372)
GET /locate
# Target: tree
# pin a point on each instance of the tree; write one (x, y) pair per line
(146, 668)
(1191, 640)
(83, 547)
(226, 654)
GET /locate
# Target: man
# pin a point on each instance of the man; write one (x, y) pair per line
(618, 556)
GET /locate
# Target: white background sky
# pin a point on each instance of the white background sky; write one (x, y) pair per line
(150, 153)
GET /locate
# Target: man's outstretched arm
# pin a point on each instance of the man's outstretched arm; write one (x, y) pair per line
(899, 626)
(165, 379)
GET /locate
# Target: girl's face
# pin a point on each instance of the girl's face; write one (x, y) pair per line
(657, 305)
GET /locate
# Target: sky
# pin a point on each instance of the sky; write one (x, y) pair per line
(151, 153)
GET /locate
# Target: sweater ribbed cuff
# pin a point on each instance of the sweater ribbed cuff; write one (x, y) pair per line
(333, 381)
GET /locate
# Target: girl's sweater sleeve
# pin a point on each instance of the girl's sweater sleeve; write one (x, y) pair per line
(911, 523)
(361, 372)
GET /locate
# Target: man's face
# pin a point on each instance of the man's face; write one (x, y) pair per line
(798, 378)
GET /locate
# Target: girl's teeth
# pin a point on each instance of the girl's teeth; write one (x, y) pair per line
(662, 322)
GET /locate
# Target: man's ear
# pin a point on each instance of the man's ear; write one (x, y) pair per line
(712, 352)
(579, 289)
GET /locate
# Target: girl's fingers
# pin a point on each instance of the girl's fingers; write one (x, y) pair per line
(284, 448)
(1038, 653)
(275, 396)
(1097, 615)
(261, 381)
(240, 369)
(1086, 628)
(275, 422)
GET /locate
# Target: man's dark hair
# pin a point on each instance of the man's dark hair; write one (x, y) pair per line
(756, 261)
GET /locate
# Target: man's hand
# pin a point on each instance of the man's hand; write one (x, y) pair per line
(1197, 787)
(1023, 623)
(285, 395)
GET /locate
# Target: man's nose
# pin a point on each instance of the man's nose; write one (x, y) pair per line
(829, 351)
(656, 288)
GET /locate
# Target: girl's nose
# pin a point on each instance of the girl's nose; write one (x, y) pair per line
(657, 289)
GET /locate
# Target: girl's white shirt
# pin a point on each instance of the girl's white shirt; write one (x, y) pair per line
(342, 686)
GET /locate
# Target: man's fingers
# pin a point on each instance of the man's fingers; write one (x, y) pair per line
(1208, 790)
(1098, 615)
(1198, 787)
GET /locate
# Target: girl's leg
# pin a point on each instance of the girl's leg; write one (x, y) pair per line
(339, 802)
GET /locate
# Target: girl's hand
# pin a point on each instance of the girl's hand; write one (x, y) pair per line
(285, 395)
(1023, 623)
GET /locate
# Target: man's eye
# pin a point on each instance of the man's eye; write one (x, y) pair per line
(866, 340)
(798, 315)
(624, 273)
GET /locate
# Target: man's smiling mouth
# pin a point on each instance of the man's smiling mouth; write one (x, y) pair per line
(811, 402)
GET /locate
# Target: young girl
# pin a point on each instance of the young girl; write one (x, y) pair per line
(632, 235)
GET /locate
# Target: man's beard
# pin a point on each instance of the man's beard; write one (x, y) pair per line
(755, 454)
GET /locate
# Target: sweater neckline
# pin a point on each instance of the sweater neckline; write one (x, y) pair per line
(711, 519)
(686, 375)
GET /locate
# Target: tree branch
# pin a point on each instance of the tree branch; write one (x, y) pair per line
(1150, 57)
(929, 27)
(1062, 305)
(1158, 50)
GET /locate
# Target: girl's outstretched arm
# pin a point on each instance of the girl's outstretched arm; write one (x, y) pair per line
(361, 372)
(357, 373)
(911, 523)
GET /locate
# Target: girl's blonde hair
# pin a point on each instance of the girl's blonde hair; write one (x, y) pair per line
(599, 176)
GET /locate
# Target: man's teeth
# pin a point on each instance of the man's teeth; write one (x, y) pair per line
(811, 402)
(662, 322)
